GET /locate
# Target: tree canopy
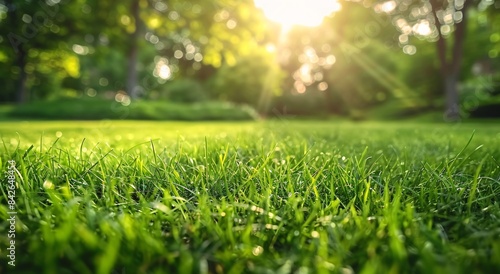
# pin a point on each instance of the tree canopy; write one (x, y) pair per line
(419, 55)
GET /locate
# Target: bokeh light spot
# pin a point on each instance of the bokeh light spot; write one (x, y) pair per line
(410, 49)
(322, 86)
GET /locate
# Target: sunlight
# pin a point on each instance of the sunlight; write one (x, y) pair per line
(162, 69)
(386, 7)
(309, 13)
(423, 28)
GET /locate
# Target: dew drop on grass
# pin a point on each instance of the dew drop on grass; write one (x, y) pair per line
(315, 234)
(257, 250)
(48, 184)
(59, 134)
(346, 271)
(303, 270)
(161, 207)
(296, 233)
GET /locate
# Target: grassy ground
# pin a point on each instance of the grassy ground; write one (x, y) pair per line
(269, 197)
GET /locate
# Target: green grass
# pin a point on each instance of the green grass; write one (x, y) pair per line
(268, 197)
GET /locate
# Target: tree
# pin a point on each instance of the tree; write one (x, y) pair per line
(183, 33)
(22, 25)
(32, 33)
(451, 63)
(352, 63)
(443, 22)
(253, 79)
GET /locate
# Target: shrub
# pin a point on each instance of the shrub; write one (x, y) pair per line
(185, 91)
(308, 104)
(97, 109)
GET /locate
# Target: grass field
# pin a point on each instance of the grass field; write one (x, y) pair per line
(253, 197)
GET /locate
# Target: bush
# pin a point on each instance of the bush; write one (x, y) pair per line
(307, 104)
(185, 91)
(96, 109)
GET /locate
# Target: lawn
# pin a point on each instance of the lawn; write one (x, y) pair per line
(252, 197)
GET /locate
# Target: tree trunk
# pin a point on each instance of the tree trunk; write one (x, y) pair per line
(133, 89)
(450, 69)
(21, 95)
(453, 74)
(452, 112)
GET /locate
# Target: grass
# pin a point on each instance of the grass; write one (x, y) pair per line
(267, 197)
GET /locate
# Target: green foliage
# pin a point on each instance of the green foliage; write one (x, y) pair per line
(35, 38)
(96, 109)
(9, 86)
(105, 64)
(78, 47)
(185, 91)
(360, 62)
(275, 197)
(254, 79)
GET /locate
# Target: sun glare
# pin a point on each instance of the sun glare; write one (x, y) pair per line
(288, 13)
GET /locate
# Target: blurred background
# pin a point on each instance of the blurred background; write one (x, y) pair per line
(241, 59)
